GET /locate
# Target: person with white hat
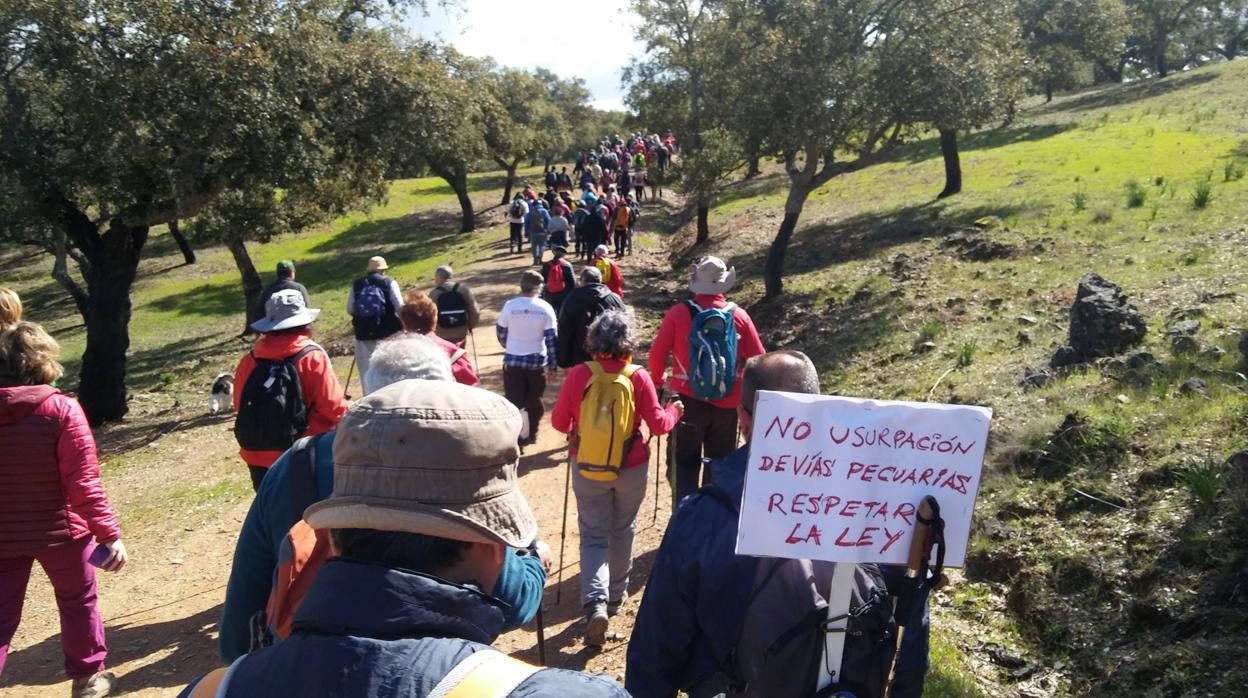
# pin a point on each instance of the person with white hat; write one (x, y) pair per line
(289, 388)
(374, 309)
(426, 507)
(706, 372)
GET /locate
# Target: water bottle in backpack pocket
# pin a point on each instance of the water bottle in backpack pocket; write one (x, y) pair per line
(605, 428)
(712, 351)
(271, 411)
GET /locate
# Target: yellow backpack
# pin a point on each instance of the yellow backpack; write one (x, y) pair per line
(605, 429)
(604, 266)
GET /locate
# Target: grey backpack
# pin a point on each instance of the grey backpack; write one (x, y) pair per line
(781, 641)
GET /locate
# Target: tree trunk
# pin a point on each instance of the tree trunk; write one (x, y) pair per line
(114, 264)
(773, 269)
(511, 179)
(252, 285)
(460, 185)
(1159, 60)
(751, 165)
(704, 229)
(1048, 91)
(188, 252)
(60, 272)
(953, 164)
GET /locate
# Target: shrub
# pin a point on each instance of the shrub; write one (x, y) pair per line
(1098, 442)
(1202, 195)
(930, 331)
(1136, 194)
(966, 354)
(1232, 171)
(1159, 181)
(1079, 200)
(1203, 483)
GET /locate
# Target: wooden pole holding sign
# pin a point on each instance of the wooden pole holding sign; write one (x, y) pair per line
(837, 625)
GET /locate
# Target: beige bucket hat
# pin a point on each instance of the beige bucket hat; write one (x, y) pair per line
(709, 276)
(377, 264)
(429, 457)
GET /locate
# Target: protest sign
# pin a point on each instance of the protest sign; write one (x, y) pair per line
(840, 479)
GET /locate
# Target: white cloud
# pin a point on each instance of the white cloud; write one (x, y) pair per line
(592, 40)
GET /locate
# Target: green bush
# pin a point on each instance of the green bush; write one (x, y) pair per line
(1203, 483)
(1136, 194)
(1079, 200)
(1202, 196)
(966, 354)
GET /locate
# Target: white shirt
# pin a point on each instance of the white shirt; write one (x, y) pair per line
(524, 212)
(526, 319)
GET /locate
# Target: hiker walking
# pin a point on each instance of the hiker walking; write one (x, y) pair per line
(623, 216)
(563, 181)
(559, 277)
(458, 312)
(535, 227)
(710, 618)
(557, 227)
(609, 270)
(705, 371)
(421, 536)
(285, 282)
(582, 306)
(420, 315)
(594, 227)
(53, 509)
(516, 213)
(526, 329)
(374, 309)
(602, 405)
(289, 389)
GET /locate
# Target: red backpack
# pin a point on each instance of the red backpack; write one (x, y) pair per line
(300, 555)
(556, 280)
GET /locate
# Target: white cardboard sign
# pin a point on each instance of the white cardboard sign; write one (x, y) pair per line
(840, 479)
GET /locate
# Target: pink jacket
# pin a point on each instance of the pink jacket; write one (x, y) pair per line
(50, 490)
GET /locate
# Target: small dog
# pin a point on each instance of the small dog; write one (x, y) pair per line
(222, 393)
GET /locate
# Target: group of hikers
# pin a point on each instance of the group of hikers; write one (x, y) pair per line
(612, 179)
(390, 542)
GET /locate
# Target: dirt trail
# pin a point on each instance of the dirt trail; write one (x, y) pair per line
(161, 611)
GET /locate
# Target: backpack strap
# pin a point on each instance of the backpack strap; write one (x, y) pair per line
(301, 477)
(457, 354)
(487, 673)
(294, 358)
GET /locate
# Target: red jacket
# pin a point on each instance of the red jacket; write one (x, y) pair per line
(673, 340)
(50, 490)
(645, 402)
(461, 368)
(614, 280)
(322, 392)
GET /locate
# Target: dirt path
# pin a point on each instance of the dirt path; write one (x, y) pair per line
(160, 613)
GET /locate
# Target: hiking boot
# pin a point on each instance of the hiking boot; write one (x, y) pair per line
(613, 607)
(95, 686)
(596, 628)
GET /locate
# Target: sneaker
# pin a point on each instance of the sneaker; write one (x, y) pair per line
(96, 686)
(596, 629)
(613, 607)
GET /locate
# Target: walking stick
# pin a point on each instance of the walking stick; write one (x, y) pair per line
(541, 637)
(476, 361)
(347, 387)
(657, 460)
(563, 534)
(916, 570)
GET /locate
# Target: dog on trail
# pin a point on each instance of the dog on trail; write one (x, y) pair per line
(222, 397)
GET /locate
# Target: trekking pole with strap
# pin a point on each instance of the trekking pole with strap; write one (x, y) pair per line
(541, 637)
(929, 531)
(563, 535)
(347, 386)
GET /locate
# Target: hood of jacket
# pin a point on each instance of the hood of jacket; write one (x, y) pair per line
(17, 402)
(276, 347)
(350, 597)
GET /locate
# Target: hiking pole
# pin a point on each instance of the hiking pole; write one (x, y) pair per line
(658, 459)
(476, 361)
(916, 568)
(541, 637)
(563, 535)
(346, 391)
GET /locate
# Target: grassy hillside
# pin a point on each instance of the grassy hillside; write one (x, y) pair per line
(1110, 556)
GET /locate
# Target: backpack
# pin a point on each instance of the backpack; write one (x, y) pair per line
(301, 553)
(271, 412)
(517, 209)
(373, 316)
(780, 644)
(556, 281)
(712, 351)
(623, 217)
(604, 265)
(452, 309)
(604, 428)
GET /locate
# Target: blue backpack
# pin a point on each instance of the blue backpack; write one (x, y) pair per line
(712, 351)
(373, 316)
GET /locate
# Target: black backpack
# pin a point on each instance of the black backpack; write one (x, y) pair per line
(271, 412)
(781, 640)
(373, 316)
(452, 310)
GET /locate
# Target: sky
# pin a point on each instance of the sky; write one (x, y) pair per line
(515, 33)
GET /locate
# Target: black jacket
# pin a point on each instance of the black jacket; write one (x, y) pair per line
(579, 311)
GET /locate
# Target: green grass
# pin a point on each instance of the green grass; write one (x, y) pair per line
(949, 675)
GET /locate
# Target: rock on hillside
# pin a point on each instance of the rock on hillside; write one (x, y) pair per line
(1102, 323)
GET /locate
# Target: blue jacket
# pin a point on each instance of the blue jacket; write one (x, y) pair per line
(695, 601)
(368, 630)
(270, 518)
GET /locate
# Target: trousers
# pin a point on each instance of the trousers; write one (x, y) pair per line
(606, 516)
(705, 431)
(73, 582)
(524, 387)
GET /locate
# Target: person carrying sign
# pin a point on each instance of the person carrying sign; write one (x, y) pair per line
(458, 312)
(707, 610)
(708, 340)
(602, 404)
